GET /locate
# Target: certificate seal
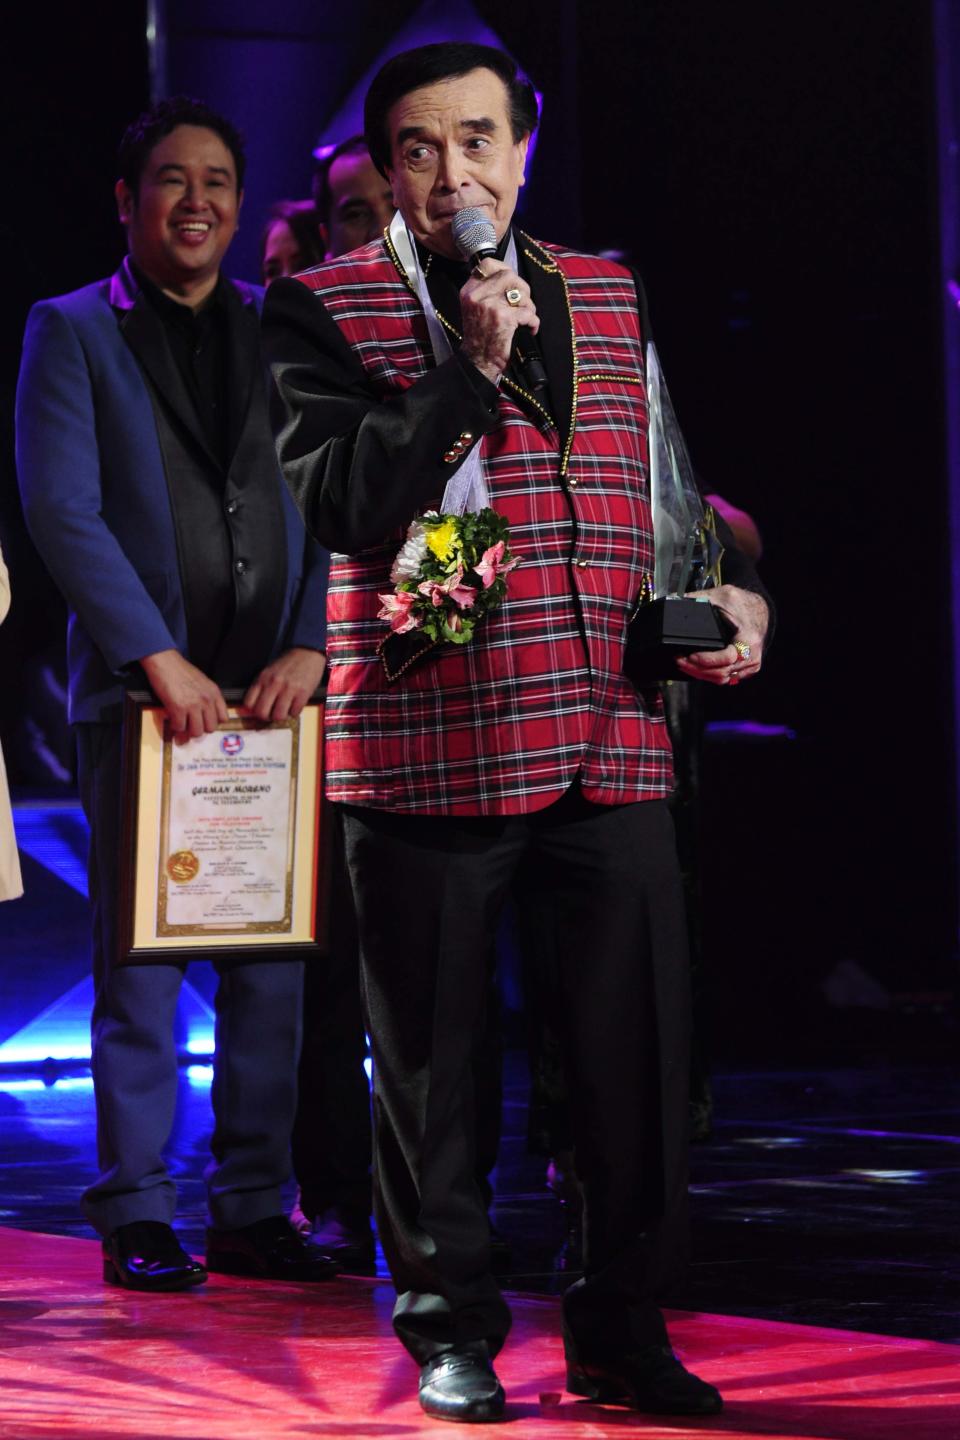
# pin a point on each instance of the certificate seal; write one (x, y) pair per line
(183, 866)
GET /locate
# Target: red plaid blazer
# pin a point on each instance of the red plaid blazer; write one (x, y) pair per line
(504, 724)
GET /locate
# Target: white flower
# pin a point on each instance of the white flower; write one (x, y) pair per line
(411, 554)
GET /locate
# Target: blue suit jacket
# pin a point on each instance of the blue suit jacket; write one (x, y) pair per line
(97, 503)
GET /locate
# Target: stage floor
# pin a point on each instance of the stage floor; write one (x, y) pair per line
(241, 1358)
(825, 1198)
(828, 1195)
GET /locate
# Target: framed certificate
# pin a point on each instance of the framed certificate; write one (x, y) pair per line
(222, 836)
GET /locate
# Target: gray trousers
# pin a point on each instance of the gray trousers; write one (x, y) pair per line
(134, 1057)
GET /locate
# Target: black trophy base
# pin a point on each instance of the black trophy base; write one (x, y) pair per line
(663, 630)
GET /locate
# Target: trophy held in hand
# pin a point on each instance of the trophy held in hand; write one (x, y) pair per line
(668, 622)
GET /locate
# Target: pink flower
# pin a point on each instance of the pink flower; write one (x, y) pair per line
(463, 595)
(435, 593)
(451, 589)
(396, 609)
(490, 564)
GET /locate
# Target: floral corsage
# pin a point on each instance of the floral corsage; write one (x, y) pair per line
(449, 573)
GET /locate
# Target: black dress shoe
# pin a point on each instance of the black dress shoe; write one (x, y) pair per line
(345, 1236)
(146, 1255)
(649, 1378)
(269, 1249)
(460, 1384)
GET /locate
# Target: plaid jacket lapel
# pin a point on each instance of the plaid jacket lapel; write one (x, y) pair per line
(555, 336)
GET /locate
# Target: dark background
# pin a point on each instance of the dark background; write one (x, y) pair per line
(772, 170)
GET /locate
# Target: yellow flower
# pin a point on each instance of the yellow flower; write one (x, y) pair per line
(443, 539)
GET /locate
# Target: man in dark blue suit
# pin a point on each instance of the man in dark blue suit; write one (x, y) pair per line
(151, 488)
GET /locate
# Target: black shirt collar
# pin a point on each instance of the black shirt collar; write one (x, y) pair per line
(175, 312)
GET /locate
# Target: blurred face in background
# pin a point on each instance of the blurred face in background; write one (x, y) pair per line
(361, 205)
(281, 254)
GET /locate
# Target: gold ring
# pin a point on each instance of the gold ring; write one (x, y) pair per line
(513, 296)
(742, 649)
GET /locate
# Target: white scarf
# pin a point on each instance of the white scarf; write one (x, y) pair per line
(466, 491)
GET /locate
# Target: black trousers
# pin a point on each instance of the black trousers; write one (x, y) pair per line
(332, 1141)
(428, 893)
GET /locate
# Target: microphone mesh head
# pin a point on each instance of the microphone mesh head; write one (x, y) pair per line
(473, 233)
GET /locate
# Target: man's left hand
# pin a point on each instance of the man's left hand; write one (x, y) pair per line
(283, 688)
(744, 655)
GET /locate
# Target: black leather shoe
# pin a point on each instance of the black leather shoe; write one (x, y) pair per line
(345, 1236)
(146, 1255)
(269, 1249)
(649, 1378)
(460, 1384)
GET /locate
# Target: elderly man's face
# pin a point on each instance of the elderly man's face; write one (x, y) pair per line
(451, 146)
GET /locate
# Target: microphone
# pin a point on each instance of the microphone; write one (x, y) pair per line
(476, 239)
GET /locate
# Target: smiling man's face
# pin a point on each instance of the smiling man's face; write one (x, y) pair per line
(184, 214)
(452, 146)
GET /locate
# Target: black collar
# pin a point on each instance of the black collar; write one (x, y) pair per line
(175, 312)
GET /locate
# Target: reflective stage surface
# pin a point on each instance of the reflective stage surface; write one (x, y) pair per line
(825, 1204)
(241, 1358)
(830, 1199)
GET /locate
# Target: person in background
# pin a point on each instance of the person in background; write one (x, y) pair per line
(684, 710)
(11, 881)
(353, 200)
(332, 1139)
(291, 240)
(151, 489)
(743, 527)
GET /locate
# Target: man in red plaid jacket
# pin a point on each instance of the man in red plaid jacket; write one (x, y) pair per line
(524, 756)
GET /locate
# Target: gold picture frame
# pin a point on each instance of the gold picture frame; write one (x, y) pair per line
(223, 840)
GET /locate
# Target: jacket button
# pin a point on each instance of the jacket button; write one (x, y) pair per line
(466, 436)
(232, 507)
(573, 482)
(582, 564)
(450, 456)
(240, 566)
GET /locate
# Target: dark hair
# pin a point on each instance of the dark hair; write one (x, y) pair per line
(303, 221)
(144, 133)
(320, 187)
(430, 63)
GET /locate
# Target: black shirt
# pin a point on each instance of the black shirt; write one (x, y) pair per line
(199, 345)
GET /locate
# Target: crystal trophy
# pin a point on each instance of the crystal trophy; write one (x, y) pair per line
(667, 621)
